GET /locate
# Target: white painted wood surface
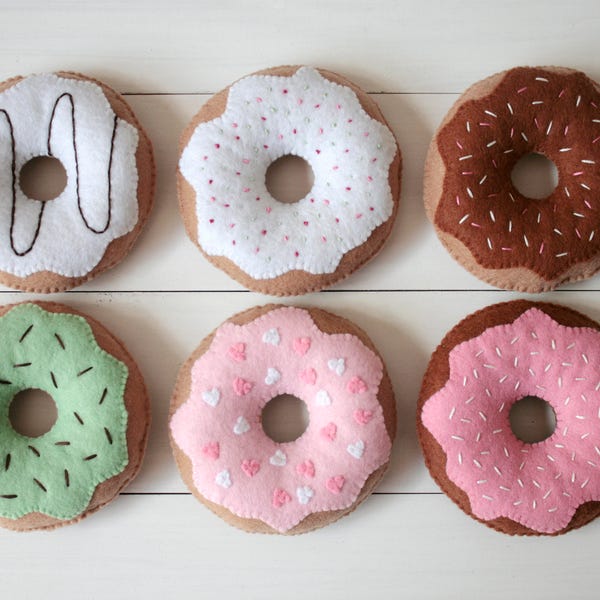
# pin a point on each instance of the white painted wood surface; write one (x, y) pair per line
(407, 540)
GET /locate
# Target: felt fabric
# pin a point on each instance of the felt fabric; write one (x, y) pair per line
(542, 485)
(305, 114)
(71, 120)
(57, 473)
(500, 235)
(236, 465)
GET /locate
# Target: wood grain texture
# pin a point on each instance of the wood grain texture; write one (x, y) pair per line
(408, 539)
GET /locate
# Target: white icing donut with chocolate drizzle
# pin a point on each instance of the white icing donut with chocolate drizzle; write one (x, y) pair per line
(54, 245)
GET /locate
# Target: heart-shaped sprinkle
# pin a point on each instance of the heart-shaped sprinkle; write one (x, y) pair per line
(335, 484)
(362, 416)
(357, 386)
(273, 376)
(337, 365)
(212, 450)
(223, 479)
(241, 387)
(238, 352)
(304, 494)
(306, 468)
(280, 497)
(271, 337)
(241, 426)
(309, 376)
(211, 397)
(279, 459)
(322, 398)
(357, 449)
(250, 467)
(301, 345)
(329, 431)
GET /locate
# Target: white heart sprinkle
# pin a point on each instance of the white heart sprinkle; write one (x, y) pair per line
(241, 426)
(273, 376)
(337, 365)
(223, 479)
(304, 494)
(322, 398)
(356, 449)
(271, 337)
(211, 397)
(279, 459)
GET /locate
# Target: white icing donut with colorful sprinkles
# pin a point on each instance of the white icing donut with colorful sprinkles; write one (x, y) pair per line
(225, 456)
(341, 223)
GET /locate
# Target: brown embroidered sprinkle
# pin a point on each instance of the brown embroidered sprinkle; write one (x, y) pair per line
(26, 333)
(62, 444)
(22, 365)
(84, 371)
(9, 496)
(103, 396)
(53, 380)
(78, 418)
(5, 382)
(59, 340)
(40, 484)
(34, 450)
(108, 435)
(7, 462)
(90, 457)
(67, 480)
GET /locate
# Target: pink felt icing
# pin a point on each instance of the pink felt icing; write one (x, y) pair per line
(250, 474)
(538, 485)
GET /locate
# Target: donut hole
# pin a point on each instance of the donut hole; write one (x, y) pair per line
(32, 412)
(535, 176)
(285, 418)
(289, 179)
(532, 419)
(43, 178)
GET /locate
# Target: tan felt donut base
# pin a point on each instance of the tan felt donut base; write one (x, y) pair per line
(294, 282)
(328, 323)
(45, 282)
(437, 375)
(518, 279)
(137, 405)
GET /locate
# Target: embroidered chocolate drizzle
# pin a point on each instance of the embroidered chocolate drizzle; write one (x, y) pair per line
(42, 205)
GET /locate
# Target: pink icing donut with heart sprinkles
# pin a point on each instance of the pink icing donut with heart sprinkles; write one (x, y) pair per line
(487, 363)
(222, 451)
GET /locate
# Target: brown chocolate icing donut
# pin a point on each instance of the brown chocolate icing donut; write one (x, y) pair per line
(500, 235)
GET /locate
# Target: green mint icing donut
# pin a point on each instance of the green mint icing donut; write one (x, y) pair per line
(56, 473)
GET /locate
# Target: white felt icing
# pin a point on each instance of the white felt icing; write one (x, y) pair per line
(65, 244)
(226, 159)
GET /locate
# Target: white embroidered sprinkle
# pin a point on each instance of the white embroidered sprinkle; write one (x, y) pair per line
(466, 157)
(477, 463)
(463, 219)
(549, 128)
(452, 413)
(541, 79)
(458, 437)
(510, 108)
(490, 144)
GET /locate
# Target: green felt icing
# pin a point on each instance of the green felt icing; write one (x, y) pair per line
(57, 473)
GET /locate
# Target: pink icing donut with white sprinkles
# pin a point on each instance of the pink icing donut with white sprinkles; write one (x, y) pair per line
(486, 364)
(222, 451)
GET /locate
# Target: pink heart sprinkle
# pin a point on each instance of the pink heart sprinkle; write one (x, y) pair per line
(356, 386)
(280, 497)
(250, 467)
(309, 376)
(241, 387)
(306, 468)
(268, 209)
(335, 484)
(329, 431)
(211, 450)
(362, 416)
(301, 345)
(238, 352)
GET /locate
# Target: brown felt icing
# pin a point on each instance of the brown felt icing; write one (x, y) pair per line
(436, 377)
(49, 282)
(533, 267)
(328, 323)
(294, 282)
(137, 405)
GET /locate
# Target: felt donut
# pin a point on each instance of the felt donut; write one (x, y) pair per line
(97, 443)
(500, 235)
(54, 245)
(270, 246)
(221, 449)
(492, 359)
